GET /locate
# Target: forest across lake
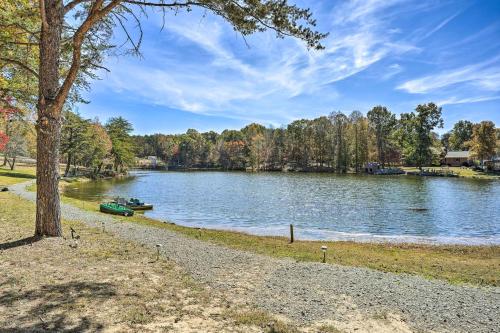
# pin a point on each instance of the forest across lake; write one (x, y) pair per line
(320, 206)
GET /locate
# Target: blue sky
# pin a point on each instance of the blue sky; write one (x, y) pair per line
(198, 73)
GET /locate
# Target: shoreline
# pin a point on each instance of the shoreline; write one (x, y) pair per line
(338, 236)
(477, 265)
(311, 235)
(464, 173)
(254, 270)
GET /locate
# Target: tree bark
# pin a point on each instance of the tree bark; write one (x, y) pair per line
(48, 214)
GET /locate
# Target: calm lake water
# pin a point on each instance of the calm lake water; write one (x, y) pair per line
(320, 206)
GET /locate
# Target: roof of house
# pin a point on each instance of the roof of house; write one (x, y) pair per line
(458, 154)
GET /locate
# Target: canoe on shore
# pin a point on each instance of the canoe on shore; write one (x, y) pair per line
(116, 209)
(134, 204)
(140, 207)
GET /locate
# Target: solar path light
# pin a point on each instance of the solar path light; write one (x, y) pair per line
(158, 251)
(323, 249)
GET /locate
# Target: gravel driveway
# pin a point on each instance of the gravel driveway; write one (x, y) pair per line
(313, 292)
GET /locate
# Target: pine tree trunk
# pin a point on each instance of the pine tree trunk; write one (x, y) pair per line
(48, 213)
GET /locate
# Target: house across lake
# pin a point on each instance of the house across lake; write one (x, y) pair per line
(458, 158)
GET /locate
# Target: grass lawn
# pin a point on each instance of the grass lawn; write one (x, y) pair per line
(479, 265)
(462, 172)
(21, 173)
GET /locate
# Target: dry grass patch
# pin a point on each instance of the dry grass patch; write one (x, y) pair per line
(261, 320)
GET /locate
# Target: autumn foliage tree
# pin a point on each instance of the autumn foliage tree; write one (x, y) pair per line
(483, 141)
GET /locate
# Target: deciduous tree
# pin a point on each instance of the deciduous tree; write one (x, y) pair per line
(416, 133)
(460, 136)
(483, 142)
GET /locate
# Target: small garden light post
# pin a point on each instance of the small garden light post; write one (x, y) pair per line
(103, 226)
(158, 251)
(323, 249)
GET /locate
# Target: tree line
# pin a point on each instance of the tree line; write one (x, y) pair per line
(339, 142)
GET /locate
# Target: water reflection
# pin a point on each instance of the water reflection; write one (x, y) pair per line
(319, 205)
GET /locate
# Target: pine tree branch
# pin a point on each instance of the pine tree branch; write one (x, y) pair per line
(20, 64)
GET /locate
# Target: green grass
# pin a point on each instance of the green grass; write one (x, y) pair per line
(479, 265)
(461, 172)
(20, 174)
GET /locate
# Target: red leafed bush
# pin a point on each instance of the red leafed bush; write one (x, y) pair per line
(7, 110)
(4, 139)
(7, 113)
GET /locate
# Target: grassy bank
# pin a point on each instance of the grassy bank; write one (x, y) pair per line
(461, 172)
(479, 265)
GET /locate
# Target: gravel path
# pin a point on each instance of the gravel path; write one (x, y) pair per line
(313, 292)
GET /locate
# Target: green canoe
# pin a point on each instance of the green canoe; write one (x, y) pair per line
(116, 209)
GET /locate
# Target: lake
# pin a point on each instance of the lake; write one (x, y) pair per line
(320, 206)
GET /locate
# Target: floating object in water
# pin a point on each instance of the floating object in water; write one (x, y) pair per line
(417, 209)
(116, 209)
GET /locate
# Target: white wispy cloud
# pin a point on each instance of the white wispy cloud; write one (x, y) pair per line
(484, 75)
(439, 26)
(392, 71)
(456, 100)
(285, 69)
(266, 81)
